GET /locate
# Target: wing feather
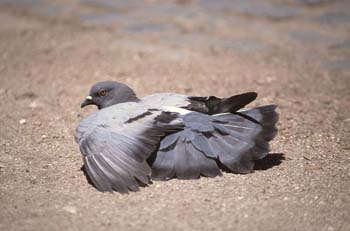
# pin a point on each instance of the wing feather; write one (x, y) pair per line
(115, 149)
(186, 162)
(163, 167)
(233, 140)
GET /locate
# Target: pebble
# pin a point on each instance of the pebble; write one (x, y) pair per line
(35, 104)
(22, 121)
(38, 123)
(306, 158)
(70, 209)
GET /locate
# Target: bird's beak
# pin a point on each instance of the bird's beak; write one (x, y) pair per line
(87, 101)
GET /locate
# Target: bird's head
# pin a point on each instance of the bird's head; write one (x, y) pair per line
(108, 93)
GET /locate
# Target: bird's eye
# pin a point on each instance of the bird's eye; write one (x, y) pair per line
(102, 92)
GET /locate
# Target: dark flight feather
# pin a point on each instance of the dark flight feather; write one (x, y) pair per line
(213, 105)
(231, 139)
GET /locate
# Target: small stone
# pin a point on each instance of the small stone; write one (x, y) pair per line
(26, 95)
(44, 136)
(35, 104)
(46, 166)
(306, 158)
(37, 123)
(22, 121)
(187, 89)
(70, 209)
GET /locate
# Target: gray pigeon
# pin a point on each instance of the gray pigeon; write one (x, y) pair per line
(129, 140)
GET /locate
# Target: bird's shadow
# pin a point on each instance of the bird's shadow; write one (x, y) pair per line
(87, 176)
(270, 161)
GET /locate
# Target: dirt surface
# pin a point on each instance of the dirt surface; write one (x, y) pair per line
(293, 53)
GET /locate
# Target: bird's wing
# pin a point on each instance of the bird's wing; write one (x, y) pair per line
(206, 143)
(115, 143)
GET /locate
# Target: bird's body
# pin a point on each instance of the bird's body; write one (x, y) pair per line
(168, 135)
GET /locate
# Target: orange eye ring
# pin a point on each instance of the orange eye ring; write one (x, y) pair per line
(102, 92)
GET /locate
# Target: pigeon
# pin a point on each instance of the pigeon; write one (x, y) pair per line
(131, 141)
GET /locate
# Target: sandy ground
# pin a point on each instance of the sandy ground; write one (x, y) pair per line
(297, 57)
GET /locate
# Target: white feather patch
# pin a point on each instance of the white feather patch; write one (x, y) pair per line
(181, 111)
(221, 114)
